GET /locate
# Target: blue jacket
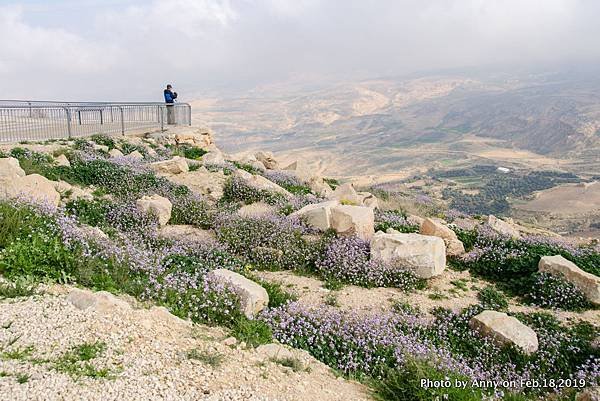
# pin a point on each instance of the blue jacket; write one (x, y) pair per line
(170, 96)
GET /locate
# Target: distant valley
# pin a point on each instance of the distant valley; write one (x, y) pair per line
(397, 130)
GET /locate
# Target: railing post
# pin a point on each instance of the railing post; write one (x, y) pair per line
(189, 108)
(162, 119)
(122, 121)
(68, 111)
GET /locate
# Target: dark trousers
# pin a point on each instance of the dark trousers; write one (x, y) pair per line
(170, 114)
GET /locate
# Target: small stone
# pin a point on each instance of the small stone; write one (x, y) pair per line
(229, 341)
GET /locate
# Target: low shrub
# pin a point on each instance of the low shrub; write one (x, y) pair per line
(271, 243)
(346, 259)
(237, 190)
(252, 332)
(394, 219)
(491, 298)
(553, 291)
(405, 384)
(104, 140)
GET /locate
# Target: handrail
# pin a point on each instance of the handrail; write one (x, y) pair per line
(25, 120)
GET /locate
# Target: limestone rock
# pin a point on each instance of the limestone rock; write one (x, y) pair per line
(274, 351)
(135, 155)
(454, 247)
(267, 159)
(302, 171)
(158, 205)
(61, 160)
(588, 283)
(102, 148)
(176, 165)
(503, 227)
(505, 330)
(258, 209)
(115, 153)
(436, 229)
(353, 220)
(151, 152)
(213, 157)
(253, 297)
(414, 219)
(33, 187)
(200, 137)
(10, 168)
(261, 183)
(101, 301)
(368, 199)
(423, 254)
(345, 193)
(203, 182)
(317, 215)
(320, 187)
(186, 233)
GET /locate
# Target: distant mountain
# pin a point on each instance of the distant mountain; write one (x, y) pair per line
(385, 125)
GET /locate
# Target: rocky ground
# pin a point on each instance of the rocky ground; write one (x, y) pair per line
(146, 354)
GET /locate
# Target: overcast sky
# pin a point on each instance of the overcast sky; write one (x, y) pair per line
(128, 50)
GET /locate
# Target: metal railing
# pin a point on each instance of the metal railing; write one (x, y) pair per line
(41, 120)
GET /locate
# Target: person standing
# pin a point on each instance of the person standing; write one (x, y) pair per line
(170, 97)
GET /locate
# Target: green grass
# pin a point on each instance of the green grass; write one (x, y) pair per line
(252, 332)
(22, 378)
(19, 354)
(212, 359)
(76, 361)
(294, 363)
(19, 287)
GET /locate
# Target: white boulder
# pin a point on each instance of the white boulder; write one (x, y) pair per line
(454, 247)
(320, 187)
(61, 160)
(213, 157)
(258, 209)
(502, 227)
(423, 254)
(353, 220)
(505, 330)
(368, 199)
(158, 205)
(267, 159)
(101, 301)
(33, 187)
(317, 215)
(135, 155)
(10, 168)
(204, 182)
(253, 297)
(115, 153)
(588, 283)
(345, 193)
(176, 165)
(186, 233)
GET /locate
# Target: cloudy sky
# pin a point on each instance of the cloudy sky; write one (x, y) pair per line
(128, 50)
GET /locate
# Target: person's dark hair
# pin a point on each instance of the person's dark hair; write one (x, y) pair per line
(169, 86)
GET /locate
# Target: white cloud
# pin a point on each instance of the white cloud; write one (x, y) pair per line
(204, 44)
(31, 49)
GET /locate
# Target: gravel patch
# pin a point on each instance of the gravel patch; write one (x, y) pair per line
(145, 356)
